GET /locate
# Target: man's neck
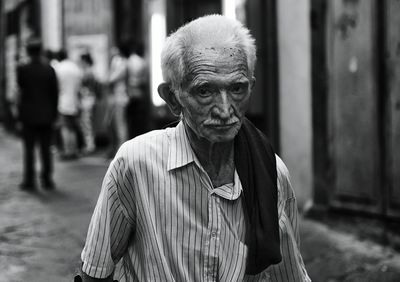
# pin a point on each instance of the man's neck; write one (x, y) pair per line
(216, 158)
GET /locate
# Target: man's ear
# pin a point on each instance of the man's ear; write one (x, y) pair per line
(252, 82)
(169, 97)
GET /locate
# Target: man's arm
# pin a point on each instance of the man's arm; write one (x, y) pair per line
(292, 265)
(20, 85)
(287, 198)
(106, 243)
(54, 91)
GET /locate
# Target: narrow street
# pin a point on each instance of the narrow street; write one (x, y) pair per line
(42, 233)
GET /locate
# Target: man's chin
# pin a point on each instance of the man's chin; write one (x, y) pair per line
(222, 137)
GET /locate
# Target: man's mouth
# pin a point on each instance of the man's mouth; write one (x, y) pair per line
(222, 125)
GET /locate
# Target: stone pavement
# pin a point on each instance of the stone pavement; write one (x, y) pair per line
(331, 255)
(42, 233)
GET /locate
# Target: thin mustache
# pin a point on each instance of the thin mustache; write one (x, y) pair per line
(220, 122)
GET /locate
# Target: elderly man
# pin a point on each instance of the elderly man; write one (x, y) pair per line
(207, 200)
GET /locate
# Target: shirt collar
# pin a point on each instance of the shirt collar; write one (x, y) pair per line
(181, 154)
(180, 151)
(229, 191)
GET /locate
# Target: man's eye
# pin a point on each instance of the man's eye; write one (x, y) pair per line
(204, 91)
(238, 88)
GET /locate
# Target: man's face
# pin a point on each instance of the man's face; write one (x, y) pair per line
(215, 92)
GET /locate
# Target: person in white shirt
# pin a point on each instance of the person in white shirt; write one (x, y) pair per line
(89, 91)
(138, 109)
(118, 99)
(69, 77)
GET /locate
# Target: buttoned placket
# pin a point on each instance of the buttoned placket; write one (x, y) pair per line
(213, 238)
(211, 244)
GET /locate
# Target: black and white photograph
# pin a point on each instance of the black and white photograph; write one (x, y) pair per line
(200, 140)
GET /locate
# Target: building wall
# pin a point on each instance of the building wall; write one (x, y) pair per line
(51, 20)
(88, 27)
(295, 95)
(2, 61)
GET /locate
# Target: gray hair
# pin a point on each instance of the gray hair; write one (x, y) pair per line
(212, 28)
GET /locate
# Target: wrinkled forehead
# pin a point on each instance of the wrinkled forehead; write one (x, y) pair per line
(214, 59)
(217, 48)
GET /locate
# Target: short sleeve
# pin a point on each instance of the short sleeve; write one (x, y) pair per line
(291, 268)
(288, 198)
(109, 230)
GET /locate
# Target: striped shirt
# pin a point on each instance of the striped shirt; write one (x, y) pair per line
(160, 217)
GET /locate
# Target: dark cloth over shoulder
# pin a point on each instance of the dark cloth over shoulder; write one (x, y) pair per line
(256, 166)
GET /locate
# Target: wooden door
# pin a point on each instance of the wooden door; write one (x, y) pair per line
(393, 105)
(356, 105)
(353, 116)
(128, 21)
(261, 19)
(180, 12)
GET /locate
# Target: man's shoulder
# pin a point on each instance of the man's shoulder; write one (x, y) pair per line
(150, 137)
(143, 153)
(47, 68)
(25, 66)
(153, 141)
(28, 68)
(281, 168)
(283, 178)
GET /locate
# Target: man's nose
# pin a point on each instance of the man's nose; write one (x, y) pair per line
(223, 108)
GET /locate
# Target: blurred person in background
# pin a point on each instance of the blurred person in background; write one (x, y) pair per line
(48, 55)
(118, 99)
(207, 200)
(138, 109)
(70, 79)
(51, 57)
(88, 91)
(37, 112)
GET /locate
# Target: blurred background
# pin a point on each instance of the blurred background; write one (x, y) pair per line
(327, 95)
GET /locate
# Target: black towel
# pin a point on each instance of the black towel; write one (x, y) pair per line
(256, 165)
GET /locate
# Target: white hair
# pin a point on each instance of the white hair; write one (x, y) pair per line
(212, 29)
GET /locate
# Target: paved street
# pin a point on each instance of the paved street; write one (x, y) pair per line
(333, 256)
(42, 234)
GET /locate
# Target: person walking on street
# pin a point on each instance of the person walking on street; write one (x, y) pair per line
(70, 78)
(118, 99)
(208, 199)
(88, 92)
(37, 112)
(138, 109)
